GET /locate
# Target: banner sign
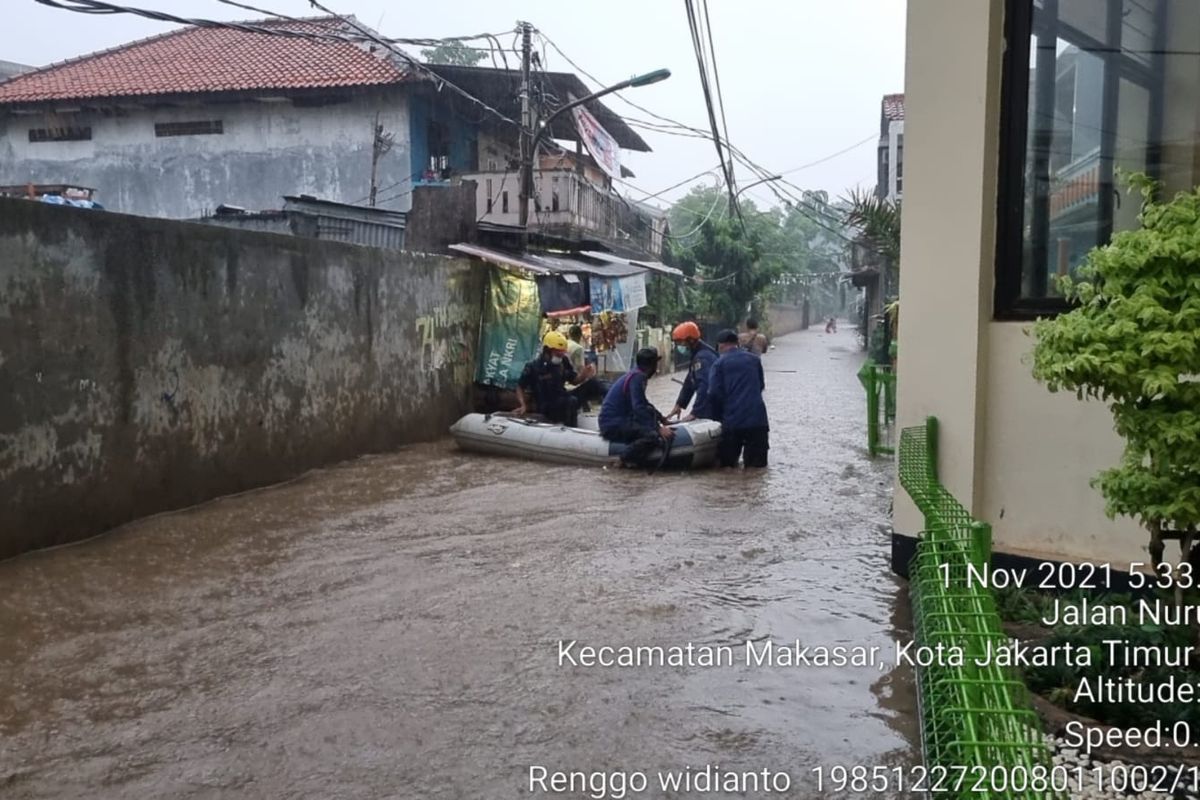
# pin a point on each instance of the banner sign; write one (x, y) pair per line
(633, 291)
(618, 294)
(509, 335)
(605, 294)
(599, 143)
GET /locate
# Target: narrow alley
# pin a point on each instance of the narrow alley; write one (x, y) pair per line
(390, 626)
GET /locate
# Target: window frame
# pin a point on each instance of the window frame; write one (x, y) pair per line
(1019, 31)
(190, 127)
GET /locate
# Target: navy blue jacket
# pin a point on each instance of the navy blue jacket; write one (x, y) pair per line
(626, 404)
(697, 382)
(544, 380)
(736, 389)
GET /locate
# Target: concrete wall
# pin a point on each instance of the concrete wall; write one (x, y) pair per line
(267, 150)
(150, 364)
(783, 319)
(1016, 455)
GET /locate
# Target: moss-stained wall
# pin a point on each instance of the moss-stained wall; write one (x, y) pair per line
(148, 364)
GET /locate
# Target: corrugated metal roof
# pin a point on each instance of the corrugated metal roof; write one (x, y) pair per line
(653, 266)
(546, 264)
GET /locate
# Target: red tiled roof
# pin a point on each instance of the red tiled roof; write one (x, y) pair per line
(893, 106)
(198, 60)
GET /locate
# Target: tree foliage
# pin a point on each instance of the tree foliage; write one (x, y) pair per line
(453, 53)
(878, 221)
(780, 255)
(1134, 343)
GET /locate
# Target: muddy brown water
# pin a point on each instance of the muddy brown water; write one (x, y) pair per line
(390, 627)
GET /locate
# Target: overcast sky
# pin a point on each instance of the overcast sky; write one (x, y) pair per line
(801, 79)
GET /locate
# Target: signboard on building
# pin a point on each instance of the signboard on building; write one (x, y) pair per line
(599, 143)
(618, 294)
(633, 291)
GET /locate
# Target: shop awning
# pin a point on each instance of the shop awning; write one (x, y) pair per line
(554, 264)
(652, 266)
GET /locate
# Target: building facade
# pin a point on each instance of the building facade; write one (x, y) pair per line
(182, 124)
(1012, 173)
(889, 183)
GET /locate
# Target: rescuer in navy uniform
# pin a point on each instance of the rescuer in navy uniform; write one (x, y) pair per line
(687, 340)
(545, 378)
(626, 416)
(736, 387)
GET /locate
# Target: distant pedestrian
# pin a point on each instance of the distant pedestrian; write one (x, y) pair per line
(736, 389)
(831, 325)
(751, 340)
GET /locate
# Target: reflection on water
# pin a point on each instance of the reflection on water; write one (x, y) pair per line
(388, 627)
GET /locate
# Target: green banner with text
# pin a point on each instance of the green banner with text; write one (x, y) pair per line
(509, 335)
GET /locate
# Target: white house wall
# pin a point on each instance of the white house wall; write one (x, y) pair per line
(1017, 456)
(1041, 451)
(267, 150)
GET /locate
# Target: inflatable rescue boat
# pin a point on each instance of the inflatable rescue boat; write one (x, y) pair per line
(694, 445)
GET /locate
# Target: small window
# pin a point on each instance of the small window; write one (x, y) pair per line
(554, 194)
(1089, 89)
(197, 128)
(489, 195)
(69, 133)
(504, 202)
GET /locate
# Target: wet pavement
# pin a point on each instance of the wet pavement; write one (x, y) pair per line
(390, 627)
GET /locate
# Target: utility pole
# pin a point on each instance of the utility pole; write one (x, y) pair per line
(381, 144)
(527, 123)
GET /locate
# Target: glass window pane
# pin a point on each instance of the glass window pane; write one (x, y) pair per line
(1114, 86)
(1180, 75)
(1132, 147)
(1089, 17)
(1137, 30)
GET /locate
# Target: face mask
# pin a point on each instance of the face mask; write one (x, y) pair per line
(682, 349)
(555, 359)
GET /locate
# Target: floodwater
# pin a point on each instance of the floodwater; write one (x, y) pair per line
(390, 627)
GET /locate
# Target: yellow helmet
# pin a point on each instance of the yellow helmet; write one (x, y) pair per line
(555, 341)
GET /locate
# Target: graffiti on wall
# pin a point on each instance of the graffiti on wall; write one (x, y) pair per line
(442, 345)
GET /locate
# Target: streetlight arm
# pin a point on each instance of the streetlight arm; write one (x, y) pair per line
(639, 80)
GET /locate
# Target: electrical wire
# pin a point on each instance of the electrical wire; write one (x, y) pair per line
(695, 230)
(716, 73)
(831, 156)
(706, 89)
(674, 127)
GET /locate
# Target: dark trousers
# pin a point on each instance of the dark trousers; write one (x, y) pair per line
(563, 410)
(591, 389)
(754, 441)
(641, 441)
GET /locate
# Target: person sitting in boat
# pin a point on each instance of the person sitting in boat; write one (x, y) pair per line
(737, 398)
(686, 336)
(546, 378)
(591, 387)
(627, 417)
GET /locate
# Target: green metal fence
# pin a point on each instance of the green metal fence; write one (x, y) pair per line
(974, 714)
(880, 383)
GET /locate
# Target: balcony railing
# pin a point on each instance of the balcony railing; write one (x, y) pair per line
(567, 204)
(564, 202)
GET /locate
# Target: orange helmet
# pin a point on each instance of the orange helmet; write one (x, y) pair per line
(684, 331)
